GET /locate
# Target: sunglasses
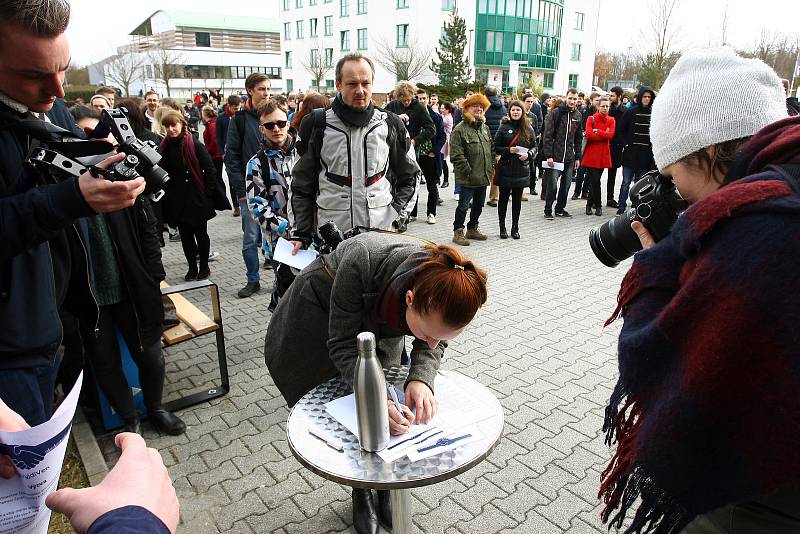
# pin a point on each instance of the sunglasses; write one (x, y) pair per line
(271, 125)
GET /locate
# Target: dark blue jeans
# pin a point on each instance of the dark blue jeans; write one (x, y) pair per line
(251, 243)
(476, 195)
(29, 392)
(563, 186)
(629, 174)
(582, 182)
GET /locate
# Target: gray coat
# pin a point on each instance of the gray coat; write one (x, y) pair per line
(311, 337)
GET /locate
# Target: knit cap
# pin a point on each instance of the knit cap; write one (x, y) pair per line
(697, 106)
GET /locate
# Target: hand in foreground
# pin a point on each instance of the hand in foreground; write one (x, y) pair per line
(296, 246)
(399, 423)
(523, 156)
(104, 196)
(138, 479)
(10, 421)
(550, 162)
(645, 237)
(420, 398)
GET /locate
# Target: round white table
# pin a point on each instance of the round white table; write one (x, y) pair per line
(360, 469)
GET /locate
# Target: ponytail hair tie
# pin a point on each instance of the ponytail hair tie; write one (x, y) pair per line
(457, 266)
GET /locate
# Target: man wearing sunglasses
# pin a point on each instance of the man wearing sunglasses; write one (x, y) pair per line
(267, 180)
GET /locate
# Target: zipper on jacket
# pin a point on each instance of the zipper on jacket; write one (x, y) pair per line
(60, 323)
(364, 178)
(96, 329)
(128, 290)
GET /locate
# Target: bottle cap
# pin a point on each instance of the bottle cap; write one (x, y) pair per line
(366, 342)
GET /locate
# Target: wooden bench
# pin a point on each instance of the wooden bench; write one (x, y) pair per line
(195, 323)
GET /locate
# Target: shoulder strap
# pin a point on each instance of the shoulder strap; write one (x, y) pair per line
(318, 123)
(515, 138)
(239, 119)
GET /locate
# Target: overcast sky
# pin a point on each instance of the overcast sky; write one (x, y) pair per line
(98, 27)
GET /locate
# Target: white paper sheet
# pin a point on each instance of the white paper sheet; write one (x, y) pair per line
(38, 454)
(557, 165)
(283, 254)
(457, 411)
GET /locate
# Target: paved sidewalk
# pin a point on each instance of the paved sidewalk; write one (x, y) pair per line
(538, 344)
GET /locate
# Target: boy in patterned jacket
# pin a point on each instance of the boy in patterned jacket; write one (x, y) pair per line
(269, 175)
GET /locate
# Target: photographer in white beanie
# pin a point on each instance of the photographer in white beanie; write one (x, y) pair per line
(705, 415)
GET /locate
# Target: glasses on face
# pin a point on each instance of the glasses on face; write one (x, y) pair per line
(271, 125)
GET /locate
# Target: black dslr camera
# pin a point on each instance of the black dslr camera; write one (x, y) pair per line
(332, 236)
(656, 204)
(68, 155)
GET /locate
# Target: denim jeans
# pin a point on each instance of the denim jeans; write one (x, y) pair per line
(628, 175)
(563, 187)
(251, 242)
(582, 184)
(476, 195)
(29, 391)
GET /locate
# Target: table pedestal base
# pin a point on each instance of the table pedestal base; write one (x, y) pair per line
(401, 511)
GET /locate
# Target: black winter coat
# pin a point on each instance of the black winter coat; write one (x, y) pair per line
(511, 170)
(183, 203)
(562, 135)
(634, 131)
(617, 112)
(420, 125)
(135, 237)
(495, 114)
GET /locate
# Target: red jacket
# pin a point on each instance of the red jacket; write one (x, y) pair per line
(210, 139)
(597, 154)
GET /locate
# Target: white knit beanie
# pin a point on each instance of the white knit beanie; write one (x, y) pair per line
(712, 96)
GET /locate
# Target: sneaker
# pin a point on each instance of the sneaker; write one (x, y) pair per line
(574, 197)
(548, 216)
(431, 219)
(412, 218)
(492, 203)
(174, 236)
(204, 273)
(422, 181)
(213, 255)
(440, 201)
(524, 197)
(249, 289)
(563, 214)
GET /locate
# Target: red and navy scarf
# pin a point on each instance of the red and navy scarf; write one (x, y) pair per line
(706, 411)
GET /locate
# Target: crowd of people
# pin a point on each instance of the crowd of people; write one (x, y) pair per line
(702, 380)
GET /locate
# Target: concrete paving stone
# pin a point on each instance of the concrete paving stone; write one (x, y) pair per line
(202, 524)
(555, 420)
(318, 498)
(282, 469)
(241, 430)
(551, 481)
(534, 523)
(518, 419)
(578, 526)
(256, 479)
(204, 505)
(190, 466)
(287, 514)
(242, 527)
(182, 452)
(562, 509)
(511, 476)
(246, 413)
(431, 496)
(243, 509)
(325, 520)
(443, 518)
(204, 480)
(490, 519)
(484, 488)
(520, 502)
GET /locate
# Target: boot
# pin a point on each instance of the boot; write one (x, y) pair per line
(166, 422)
(503, 233)
(365, 520)
(249, 289)
(133, 424)
(191, 274)
(384, 509)
(475, 233)
(236, 212)
(459, 239)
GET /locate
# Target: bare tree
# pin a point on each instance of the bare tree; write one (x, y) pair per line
(123, 69)
(167, 65)
(406, 63)
(777, 50)
(318, 64)
(659, 51)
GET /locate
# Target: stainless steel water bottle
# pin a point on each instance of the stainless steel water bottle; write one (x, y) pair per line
(369, 386)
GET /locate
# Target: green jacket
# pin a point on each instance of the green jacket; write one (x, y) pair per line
(472, 153)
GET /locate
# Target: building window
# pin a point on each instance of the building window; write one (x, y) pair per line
(362, 38)
(576, 52)
(482, 76)
(299, 24)
(298, 3)
(548, 78)
(329, 85)
(362, 7)
(289, 85)
(521, 43)
(344, 40)
(329, 25)
(402, 36)
(314, 58)
(288, 59)
(494, 41)
(344, 8)
(286, 5)
(328, 57)
(148, 71)
(448, 5)
(312, 2)
(573, 80)
(287, 31)
(312, 27)
(579, 20)
(327, 1)
(202, 39)
(402, 4)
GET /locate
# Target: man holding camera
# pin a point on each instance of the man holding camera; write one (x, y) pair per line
(44, 265)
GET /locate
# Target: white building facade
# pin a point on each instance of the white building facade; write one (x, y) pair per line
(555, 38)
(210, 51)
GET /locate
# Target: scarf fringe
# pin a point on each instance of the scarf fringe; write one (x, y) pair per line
(623, 483)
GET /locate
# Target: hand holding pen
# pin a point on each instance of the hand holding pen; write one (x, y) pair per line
(400, 416)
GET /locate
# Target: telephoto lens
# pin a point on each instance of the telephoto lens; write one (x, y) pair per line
(615, 241)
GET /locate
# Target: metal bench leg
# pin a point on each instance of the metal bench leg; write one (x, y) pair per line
(401, 511)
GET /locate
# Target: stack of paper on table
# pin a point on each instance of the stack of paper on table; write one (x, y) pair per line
(458, 417)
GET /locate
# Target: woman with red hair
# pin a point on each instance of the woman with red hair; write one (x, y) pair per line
(388, 284)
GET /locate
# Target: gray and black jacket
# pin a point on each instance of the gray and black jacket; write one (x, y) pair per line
(365, 175)
(562, 135)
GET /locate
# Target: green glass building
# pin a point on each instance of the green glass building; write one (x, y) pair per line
(519, 30)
